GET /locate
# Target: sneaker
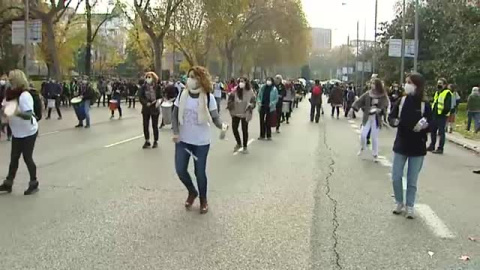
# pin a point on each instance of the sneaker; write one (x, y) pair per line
(59, 118)
(79, 126)
(430, 148)
(6, 188)
(245, 151)
(476, 172)
(278, 131)
(369, 142)
(399, 209)
(155, 145)
(87, 126)
(146, 145)
(32, 188)
(236, 148)
(375, 158)
(360, 153)
(438, 151)
(410, 212)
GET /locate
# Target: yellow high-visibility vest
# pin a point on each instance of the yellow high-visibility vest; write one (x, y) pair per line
(439, 99)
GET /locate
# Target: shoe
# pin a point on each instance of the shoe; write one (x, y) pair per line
(111, 117)
(79, 126)
(32, 188)
(245, 151)
(410, 212)
(399, 209)
(278, 131)
(203, 206)
(87, 126)
(360, 152)
(155, 145)
(146, 145)
(438, 151)
(261, 139)
(236, 148)
(6, 188)
(430, 148)
(269, 138)
(369, 142)
(288, 122)
(375, 159)
(190, 199)
(59, 118)
(476, 172)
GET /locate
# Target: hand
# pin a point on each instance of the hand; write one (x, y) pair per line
(148, 104)
(176, 139)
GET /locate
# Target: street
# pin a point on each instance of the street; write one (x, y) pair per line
(303, 201)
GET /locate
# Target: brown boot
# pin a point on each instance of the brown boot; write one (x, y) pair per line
(190, 199)
(203, 206)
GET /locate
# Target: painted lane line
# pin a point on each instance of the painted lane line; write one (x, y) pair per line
(354, 126)
(437, 226)
(384, 161)
(49, 133)
(124, 141)
(404, 181)
(241, 149)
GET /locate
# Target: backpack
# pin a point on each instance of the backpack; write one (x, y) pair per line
(316, 90)
(37, 104)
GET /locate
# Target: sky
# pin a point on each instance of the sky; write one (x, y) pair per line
(342, 19)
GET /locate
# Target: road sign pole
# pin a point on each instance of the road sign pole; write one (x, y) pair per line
(415, 61)
(374, 65)
(402, 66)
(27, 38)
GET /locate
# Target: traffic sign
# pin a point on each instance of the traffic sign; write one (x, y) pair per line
(395, 48)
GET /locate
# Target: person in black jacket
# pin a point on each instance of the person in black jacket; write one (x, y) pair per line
(86, 92)
(282, 92)
(132, 92)
(53, 92)
(148, 96)
(442, 108)
(413, 115)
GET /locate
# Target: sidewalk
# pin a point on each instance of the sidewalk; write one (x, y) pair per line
(458, 139)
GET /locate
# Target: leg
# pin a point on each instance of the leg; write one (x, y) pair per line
(317, 112)
(441, 132)
(263, 128)
(57, 106)
(134, 102)
(28, 147)
(119, 109)
(268, 120)
(17, 148)
(414, 167)
(49, 113)
(146, 121)
(201, 152)
(312, 111)
(338, 112)
(333, 110)
(87, 112)
(476, 121)
(182, 158)
(365, 131)
(397, 176)
(155, 127)
(469, 120)
(433, 134)
(279, 115)
(245, 132)
(375, 130)
(235, 123)
(218, 100)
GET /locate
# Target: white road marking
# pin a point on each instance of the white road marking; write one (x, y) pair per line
(49, 133)
(437, 226)
(241, 149)
(124, 141)
(404, 181)
(384, 161)
(354, 126)
(351, 121)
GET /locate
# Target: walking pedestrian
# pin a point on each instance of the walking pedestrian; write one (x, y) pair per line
(473, 109)
(349, 99)
(287, 105)
(102, 88)
(86, 93)
(132, 93)
(442, 107)
(412, 114)
(336, 99)
(117, 96)
(281, 94)
(455, 102)
(53, 92)
(316, 102)
(241, 103)
(373, 103)
(218, 89)
(267, 100)
(194, 109)
(148, 95)
(24, 129)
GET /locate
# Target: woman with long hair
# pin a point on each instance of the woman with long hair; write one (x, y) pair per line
(24, 131)
(194, 110)
(411, 115)
(374, 103)
(241, 103)
(267, 105)
(148, 95)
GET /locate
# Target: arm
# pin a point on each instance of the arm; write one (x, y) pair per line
(141, 96)
(447, 104)
(175, 123)
(252, 103)
(217, 121)
(359, 103)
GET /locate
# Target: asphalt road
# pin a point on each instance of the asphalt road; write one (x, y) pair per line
(302, 201)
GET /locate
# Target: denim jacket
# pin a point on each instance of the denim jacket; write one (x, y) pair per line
(273, 98)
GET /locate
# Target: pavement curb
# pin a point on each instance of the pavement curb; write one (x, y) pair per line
(468, 146)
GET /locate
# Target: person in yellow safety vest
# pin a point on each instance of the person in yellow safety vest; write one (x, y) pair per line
(442, 107)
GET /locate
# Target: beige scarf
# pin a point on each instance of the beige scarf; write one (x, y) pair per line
(202, 111)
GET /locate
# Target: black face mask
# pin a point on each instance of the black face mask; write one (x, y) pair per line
(440, 87)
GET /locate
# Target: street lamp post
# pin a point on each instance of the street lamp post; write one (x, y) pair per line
(27, 38)
(415, 60)
(402, 66)
(374, 64)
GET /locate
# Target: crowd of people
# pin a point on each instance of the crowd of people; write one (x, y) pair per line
(192, 105)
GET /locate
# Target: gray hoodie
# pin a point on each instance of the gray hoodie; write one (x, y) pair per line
(365, 103)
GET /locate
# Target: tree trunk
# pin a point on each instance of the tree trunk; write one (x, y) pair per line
(88, 49)
(229, 56)
(158, 53)
(52, 49)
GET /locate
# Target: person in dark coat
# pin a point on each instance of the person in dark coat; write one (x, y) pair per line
(148, 95)
(336, 99)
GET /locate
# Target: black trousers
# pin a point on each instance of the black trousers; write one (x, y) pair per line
(130, 101)
(265, 116)
(280, 116)
(146, 122)
(57, 107)
(348, 107)
(333, 110)
(22, 146)
(235, 123)
(315, 112)
(104, 96)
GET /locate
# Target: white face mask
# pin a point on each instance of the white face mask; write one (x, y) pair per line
(241, 85)
(149, 80)
(192, 83)
(269, 83)
(409, 89)
(2, 82)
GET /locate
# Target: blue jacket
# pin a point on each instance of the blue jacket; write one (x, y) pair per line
(273, 98)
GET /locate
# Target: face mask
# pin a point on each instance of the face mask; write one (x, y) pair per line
(149, 80)
(192, 83)
(2, 82)
(373, 86)
(242, 85)
(409, 89)
(269, 83)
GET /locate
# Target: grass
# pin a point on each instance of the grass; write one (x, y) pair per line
(461, 124)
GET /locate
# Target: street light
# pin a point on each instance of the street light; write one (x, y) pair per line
(415, 60)
(27, 38)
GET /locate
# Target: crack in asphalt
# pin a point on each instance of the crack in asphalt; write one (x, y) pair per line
(328, 193)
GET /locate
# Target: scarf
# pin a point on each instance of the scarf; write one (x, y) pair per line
(202, 111)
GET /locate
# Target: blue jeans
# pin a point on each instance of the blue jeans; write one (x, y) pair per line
(414, 167)
(182, 158)
(439, 125)
(475, 117)
(86, 103)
